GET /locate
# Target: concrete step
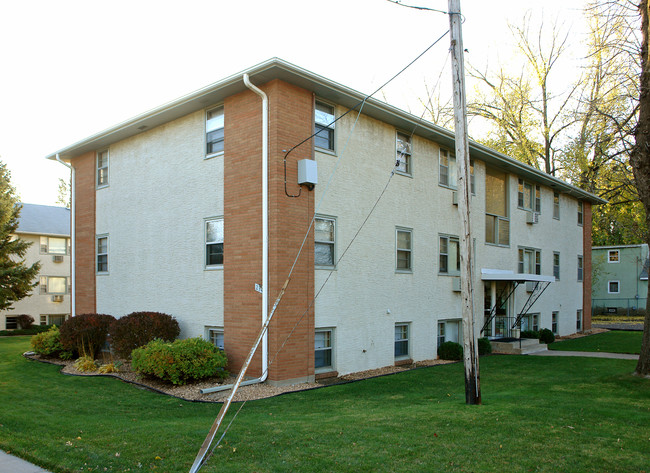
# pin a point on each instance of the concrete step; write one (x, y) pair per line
(525, 346)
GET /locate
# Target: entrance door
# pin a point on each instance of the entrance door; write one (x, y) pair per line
(496, 293)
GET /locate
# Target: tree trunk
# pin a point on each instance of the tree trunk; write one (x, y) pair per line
(640, 160)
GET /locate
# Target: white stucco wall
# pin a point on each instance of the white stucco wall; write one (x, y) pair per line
(161, 190)
(365, 297)
(39, 304)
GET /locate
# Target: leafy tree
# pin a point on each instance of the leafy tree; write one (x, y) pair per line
(65, 195)
(15, 277)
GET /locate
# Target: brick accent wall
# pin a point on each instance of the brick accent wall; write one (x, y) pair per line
(85, 288)
(290, 121)
(586, 266)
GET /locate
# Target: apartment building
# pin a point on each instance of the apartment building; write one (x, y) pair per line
(48, 229)
(169, 217)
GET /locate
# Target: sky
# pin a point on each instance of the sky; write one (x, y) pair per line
(71, 69)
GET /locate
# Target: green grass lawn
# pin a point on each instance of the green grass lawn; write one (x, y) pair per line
(616, 341)
(541, 414)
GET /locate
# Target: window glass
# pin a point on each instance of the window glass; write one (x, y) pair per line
(214, 127)
(216, 337)
(102, 254)
(580, 215)
(324, 126)
(324, 242)
(57, 246)
(556, 265)
(579, 268)
(556, 205)
(449, 255)
(495, 193)
(613, 256)
(403, 156)
(214, 242)
(323, 349)
(56, 285)
(403, 250)
(102, 168)
(401, 340)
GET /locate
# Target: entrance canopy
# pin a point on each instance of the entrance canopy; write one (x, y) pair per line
(504, 275)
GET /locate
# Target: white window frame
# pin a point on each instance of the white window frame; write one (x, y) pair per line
(14, 322)
(332, 243)
(580, 268)
(536, 260)
(212, 130)
(449, 239)
(532, 321)
(618, 286)
(103, 236)
(498, 222)
(442, 336)
(556, 267)
(330, 348)
(46, 319)
(325, 124)
(581, 210)
(212, 242)
(579, 320)
(102, 173)
(534, 193)
(409, 250)
(616, 259)
(212, 333)
(555, 322)
(407, 325)
(45, 246)
(404, 154)
(452, 170)
(556, 205)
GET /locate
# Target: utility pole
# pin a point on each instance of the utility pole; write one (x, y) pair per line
(470, 345)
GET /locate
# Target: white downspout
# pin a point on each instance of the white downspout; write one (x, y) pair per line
(265, 222)
(73, 295)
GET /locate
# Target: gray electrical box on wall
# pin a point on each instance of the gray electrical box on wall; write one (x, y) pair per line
(307, 173)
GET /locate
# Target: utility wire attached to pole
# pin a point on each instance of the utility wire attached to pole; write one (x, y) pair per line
(470, 345)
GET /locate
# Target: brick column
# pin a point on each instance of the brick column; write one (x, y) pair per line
(586, 266)
(290, 121)
(85, 287)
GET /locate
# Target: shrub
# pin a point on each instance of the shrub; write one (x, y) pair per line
(484, 346)
(25, 321)
(529, 334)
(85, 334)
(85, 364)
(47, 343)
(33, 330)
(450, 351)
(112, 367)
(546, 336)
(180, 361)
(139, 328)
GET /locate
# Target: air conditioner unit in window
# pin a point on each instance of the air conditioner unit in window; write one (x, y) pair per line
(57, 258)
(532, 217)
(454, 198)
(58, 298)
(455, 284)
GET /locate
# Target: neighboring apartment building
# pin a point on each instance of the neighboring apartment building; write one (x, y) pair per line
(620, 279)
(169, 218)
(48, 229)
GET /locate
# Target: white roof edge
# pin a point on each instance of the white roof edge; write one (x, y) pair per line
(505, 275)
(165, 112)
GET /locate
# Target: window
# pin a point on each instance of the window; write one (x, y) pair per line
(214, 124)
(324, 232)
(323, 350)
(555, 319)
(404, 249)
(497, 224)
(215, 335)
(53, 285)
(102, 168)
(556, 205)
(53, 319)
(530, 322)
(529, 196)
(449, 255)
(613, 287)
(530, 261)
(449, 331)
(11, 323)
(54, 246)
(102, 254)
(214, 242)
(448, 175)
(401, 340)
(324, 126)
(579, 268)
(580, 212)
(613, 256)
(556, 265)
(403, 153)
(579, 320)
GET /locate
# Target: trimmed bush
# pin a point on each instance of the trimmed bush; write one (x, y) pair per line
(25, 321)
(33, 330)
(450, 351)
(484, 346)
(180, 361)
(47, 343)
(86, 334)
(546, 336)
(139, 328)
(529, 334)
